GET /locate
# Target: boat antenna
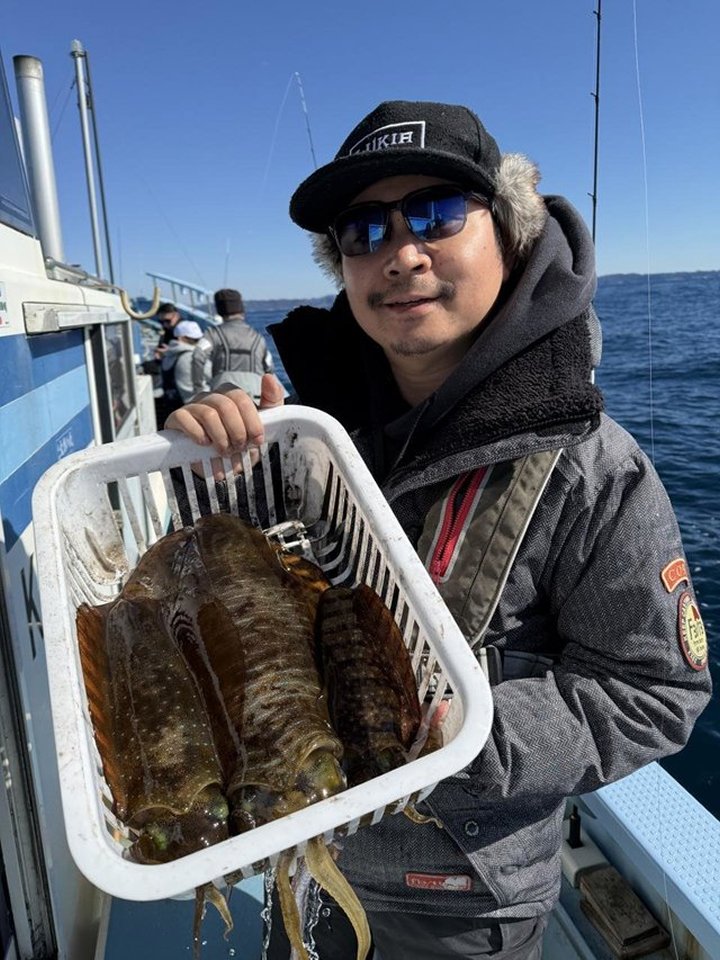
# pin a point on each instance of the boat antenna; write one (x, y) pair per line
(596, 97)
(307, 117)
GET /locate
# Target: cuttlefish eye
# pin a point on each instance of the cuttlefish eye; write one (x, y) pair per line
(154, 845)
(159, 834)
(321, 776)
(171, 835)
(217, 808)
(255, 805)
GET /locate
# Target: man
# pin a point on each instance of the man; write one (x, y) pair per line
(460, 355)
(168, 315)
(235, 353)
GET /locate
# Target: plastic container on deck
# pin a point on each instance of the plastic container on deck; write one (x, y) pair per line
(96, 512)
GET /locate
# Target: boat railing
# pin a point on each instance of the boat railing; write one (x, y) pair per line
(194, 299)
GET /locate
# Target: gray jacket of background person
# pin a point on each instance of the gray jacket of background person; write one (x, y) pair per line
(178, 358)
(232, 348)
(594, 683)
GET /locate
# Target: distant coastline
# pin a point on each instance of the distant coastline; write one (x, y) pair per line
(288, 303)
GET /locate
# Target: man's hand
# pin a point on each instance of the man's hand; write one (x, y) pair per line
(227, 420)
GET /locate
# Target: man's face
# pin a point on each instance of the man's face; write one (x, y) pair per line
(169, 319)
(424, 299)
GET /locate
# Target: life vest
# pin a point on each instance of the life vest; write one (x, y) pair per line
(471, 538)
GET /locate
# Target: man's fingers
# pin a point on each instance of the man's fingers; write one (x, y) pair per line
(183, 419)
(272, 393)
(239, 417)
(228, 421)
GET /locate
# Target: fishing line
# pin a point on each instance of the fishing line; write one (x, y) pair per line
(62, 111)
(647, 231)
(227, 261)
(170, 227)
(660, 820)
(274, 136)
(293, 77)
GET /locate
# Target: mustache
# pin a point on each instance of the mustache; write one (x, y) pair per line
(441, 290)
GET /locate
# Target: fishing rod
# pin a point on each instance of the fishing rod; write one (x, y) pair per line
(596, 97)
(307, 117)
(574, 838)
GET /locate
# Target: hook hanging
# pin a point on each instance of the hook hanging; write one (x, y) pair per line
(125, 301)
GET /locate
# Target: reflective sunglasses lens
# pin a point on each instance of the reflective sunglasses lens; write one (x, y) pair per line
(434, 214)
(360, 231)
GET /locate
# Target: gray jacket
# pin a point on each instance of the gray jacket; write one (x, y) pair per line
(233, 346)
(175, 366)
(594, 686)
(594, 682)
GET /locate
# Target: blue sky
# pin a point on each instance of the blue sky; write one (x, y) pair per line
(204, 137)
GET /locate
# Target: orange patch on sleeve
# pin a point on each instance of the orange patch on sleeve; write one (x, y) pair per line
(674, 573)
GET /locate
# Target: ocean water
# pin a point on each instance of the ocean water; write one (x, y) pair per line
(660, 373)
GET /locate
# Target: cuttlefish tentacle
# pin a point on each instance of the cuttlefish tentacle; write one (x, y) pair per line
(412, 813)
(209, 893)
(289, 907)
(324, 870)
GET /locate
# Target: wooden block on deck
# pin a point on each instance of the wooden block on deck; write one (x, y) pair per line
(619, 914)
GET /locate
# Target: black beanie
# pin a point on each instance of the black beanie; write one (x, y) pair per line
(228, 302)
(399, 137)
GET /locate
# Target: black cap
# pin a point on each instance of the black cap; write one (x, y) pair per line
(399, 137)
(166, 308)
(228, 302)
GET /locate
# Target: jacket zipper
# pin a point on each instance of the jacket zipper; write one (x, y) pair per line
(455, 513)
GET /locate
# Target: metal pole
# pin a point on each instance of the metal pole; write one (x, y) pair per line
(98, 160)
(37, 151)
(78, 54)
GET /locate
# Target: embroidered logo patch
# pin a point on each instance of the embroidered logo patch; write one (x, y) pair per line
(693, 639)
(439, 881)
(674, 573)
(409, 134)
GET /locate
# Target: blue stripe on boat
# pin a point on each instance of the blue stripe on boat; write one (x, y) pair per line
(17, 489)
(33, 419)
(27, 363)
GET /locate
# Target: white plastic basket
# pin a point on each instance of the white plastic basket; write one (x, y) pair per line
(97, 511)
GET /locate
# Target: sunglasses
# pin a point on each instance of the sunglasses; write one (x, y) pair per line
(432, 213)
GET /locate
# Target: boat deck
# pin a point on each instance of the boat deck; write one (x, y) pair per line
(163, 930)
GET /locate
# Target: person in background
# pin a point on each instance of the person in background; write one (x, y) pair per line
(176, 367)
(235, 353)
(460, 355)
(169, 316)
